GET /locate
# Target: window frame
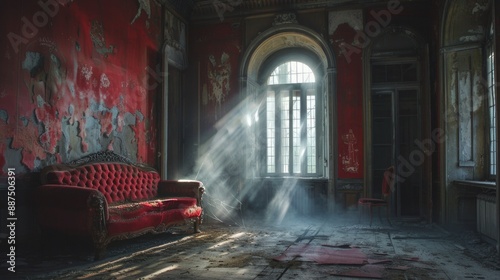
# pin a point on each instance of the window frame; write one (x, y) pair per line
(492, 136)
(319, 137)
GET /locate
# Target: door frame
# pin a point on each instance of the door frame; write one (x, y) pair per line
(422, 57)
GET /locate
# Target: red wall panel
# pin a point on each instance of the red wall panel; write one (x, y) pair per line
(216, 50)
(349, 103)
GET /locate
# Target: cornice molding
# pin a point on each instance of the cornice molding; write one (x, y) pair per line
(222, 9)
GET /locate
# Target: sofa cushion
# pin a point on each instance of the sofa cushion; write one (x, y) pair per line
(118, 182)
(134, 209)
(138, 216)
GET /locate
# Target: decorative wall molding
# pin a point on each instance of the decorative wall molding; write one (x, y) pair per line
(285, 18)
(354, 18)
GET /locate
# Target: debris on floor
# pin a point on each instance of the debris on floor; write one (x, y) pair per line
(366, 271)
(299, 249)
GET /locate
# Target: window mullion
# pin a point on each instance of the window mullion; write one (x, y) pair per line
(279, 167)
(303, 129)
(290, 132)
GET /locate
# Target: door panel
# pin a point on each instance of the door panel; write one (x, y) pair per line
(408, 126)
(382, 138)
(395, 127)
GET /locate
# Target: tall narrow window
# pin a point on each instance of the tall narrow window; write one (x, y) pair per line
(490, 73)
(291, 121)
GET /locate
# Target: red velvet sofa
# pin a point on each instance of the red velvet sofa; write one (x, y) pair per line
(106, 197)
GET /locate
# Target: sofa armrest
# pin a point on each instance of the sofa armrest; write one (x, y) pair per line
(188, 188)
(72, 209)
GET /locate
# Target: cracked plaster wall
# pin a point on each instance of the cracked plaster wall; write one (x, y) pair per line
(465, 88)
(73, 81)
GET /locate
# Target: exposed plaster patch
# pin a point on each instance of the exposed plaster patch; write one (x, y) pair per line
(114, 114)
(13, 158)
(97, 37)
(71, 88)
(4, 116)
(87, 72)
(93, 134)
(480, 8)
(145, 6)
(475, 35)
(98, 107)
(56, 71)
(139, 115)
(354, 18)
(65, 141)
(39, 101)
(37, 164)
(106, 123)
(129, 119)
(24, 120)
(105, 83)
(71, 141)
(33, 62)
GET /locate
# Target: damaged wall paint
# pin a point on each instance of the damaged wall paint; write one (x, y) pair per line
(350, 110)
(79, 86)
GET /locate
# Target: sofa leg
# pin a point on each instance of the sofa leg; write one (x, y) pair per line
(197, 226)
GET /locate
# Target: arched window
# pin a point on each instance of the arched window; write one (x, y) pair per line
(291, 132)
(291, 72)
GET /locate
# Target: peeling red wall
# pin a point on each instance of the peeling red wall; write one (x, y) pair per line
(83, 64)
(349, 103)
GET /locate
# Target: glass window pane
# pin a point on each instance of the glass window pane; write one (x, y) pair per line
(490, 69)
(285, 133)
(296, 121)
(291, 72)
(311, 132)
(291, 121)
(271, 131)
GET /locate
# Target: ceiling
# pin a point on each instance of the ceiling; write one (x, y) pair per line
(214, 9)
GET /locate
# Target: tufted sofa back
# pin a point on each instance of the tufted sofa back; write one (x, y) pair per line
(119, 182)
